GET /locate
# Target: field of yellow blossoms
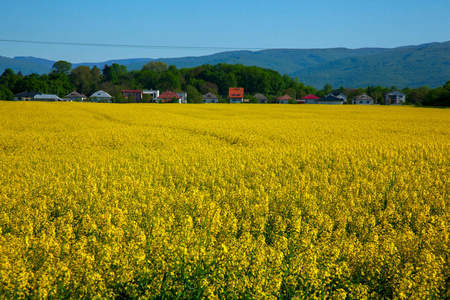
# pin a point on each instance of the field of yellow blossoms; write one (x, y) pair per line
(223, 201)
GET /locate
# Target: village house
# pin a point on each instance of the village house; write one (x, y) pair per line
(152, 94)
(75, 96)
(236, 95)
(330, 99)
(284, 99)
(26, 96)
(169, 97)
(210, 98)
(136, 94)
(183, 97)
(101, 96)
(261, 98)
(395, 98)
(46, 97)
(338, 94)
(363, 99)
(310, 99)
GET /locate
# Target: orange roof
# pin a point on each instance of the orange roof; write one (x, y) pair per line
(236, 93)
(285, 97)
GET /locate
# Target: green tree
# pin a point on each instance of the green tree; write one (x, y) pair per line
(115, 72)
(439, 96)
(193, 94)
(82, 78)
(58, 83)
(157, 66)
(447, 86)
(229, 80)
(209, 87)
(61, 67)
(9, 79)
(327, 88)
(173, 69)
(169, 81)
(197, 83)
(147, 98)
(252, 99)
(147, 78)
(5, 93)
(418, 95)
(33, 83)
(96, 76)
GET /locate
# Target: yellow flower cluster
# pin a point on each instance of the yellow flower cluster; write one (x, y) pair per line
(224, 201)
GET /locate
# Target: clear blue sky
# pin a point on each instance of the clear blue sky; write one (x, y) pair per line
(247, 24)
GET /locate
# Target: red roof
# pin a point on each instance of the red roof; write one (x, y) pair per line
(168, 95)
(236, 93)
(285, 97)
(131, 91)
(310, 97)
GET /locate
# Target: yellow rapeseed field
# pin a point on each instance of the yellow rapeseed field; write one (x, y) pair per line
(223, 201)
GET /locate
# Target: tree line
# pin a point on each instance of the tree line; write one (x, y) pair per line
(196, 81)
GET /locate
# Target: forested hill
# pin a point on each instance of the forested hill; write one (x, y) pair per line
(410, 66)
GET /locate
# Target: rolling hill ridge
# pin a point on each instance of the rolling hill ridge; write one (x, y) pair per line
(409, 66)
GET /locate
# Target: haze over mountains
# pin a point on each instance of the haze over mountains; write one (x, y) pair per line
(409, 66)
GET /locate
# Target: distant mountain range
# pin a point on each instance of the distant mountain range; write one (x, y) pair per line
(409, 66)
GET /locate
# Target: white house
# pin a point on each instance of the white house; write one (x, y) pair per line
(101, 96)
(338, 94)
(395, 98)
(210, 98)
(310, 99)
(363, 99)
(183, 97)
(153, 93)
(236, 95)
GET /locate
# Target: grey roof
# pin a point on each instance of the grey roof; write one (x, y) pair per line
(336, 92)
(47, 97)
(396, 93)
(330, 98)
(101, 94)
(363, 96)
(260, 97)
(209, 96)
(75, 94)
(27, 94)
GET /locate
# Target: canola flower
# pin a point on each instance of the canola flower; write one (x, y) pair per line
(223, 201)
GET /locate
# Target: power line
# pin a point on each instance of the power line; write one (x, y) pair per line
(129, 45)
(376, 49)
